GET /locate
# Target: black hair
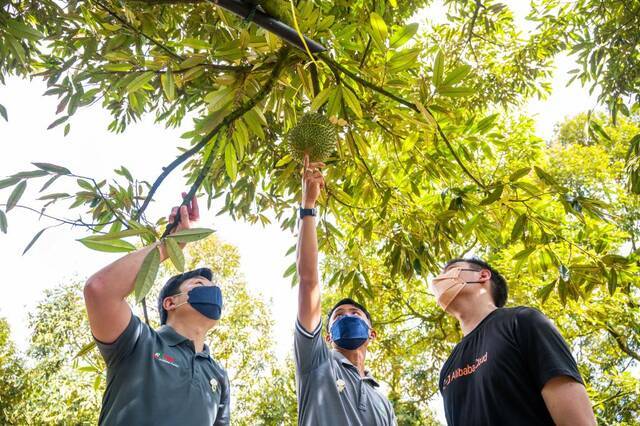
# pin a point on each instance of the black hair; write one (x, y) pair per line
(499, 288)
(347, 301)
(172, 287)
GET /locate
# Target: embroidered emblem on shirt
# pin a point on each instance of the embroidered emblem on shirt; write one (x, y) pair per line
(165, 359)
(214, 384)
(340, 384)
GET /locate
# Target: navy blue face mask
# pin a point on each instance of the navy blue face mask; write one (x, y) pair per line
(206, 299)
(349, 332)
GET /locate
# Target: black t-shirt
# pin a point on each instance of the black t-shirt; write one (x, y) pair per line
(496, 373)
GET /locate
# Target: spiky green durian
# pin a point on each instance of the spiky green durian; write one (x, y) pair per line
(314, 135)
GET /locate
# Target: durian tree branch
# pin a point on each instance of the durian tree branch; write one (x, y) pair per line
(237, 113)
(336, 65)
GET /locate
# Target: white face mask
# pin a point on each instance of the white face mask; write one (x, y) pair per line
(448, 285)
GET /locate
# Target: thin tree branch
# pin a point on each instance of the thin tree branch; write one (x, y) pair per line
(622, 344)
(275, 72)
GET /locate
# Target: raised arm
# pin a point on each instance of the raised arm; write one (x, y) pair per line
(309, 291)
(568, 402)
(106, 290)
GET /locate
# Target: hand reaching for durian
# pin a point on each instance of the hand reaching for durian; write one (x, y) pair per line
(312, 182)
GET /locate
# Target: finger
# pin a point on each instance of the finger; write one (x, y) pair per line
(174, 211)
(195, 209)
(184, 217)
(317, 165)
(306, 161)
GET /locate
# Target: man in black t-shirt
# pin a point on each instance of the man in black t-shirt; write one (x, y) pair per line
(512, 367)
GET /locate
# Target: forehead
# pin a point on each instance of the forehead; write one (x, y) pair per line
(456, 265)
(194, 280)
(348, 308)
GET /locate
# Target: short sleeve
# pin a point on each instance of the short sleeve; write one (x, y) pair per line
(543, 348)
(123, 345)
(223, 418)
(309, 349)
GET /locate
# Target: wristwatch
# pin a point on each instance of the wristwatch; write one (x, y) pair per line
(308, 212)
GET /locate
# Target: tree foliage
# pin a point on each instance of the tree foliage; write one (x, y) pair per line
(435, 158)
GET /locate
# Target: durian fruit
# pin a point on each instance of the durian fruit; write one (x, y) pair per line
(314, 135)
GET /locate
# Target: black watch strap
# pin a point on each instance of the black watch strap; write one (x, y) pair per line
(308, 212)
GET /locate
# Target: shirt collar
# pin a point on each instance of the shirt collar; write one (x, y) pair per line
(173, 338)
(344, 361)
(169, 335)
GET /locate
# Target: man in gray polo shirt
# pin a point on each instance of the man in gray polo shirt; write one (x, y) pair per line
(333, 386)
(164, 376)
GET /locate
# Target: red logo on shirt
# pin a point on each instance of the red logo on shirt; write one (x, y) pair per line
(165, 358)
(465, 371)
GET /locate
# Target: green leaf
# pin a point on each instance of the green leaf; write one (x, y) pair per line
(457, 75)
(3, 113)
(10, 181)
(321, 98)
(456, 92)
(33, 240)
(168, 84)
(519, 174)
(402, 60)
(378, 30)
(21, 30)
(16, 194)
(138, 82)
(599, 130)
(30, 174)
(544, 292)
(544, 176)
(175, 253)
(523, 254)
(53, 168)
(230, 161)
(109, 246)
(3, 222)
(58, 122)
(117, 67)
(403, 35)
(352, 102)
(85, 349)
(190, 235)
(486, 123)
(493, 196)
(518, 227)
(147, 274)
(284, 160)
(438, 69)
(612, 282)
(120, 234)
(290, 270)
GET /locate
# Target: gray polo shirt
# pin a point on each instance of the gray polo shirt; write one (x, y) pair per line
(157, 378)
(330, 389)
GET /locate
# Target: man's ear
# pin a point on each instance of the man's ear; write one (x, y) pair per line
(485, 275)
(373, 334)
(168, 304)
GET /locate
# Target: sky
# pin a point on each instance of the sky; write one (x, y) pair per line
(143, 148)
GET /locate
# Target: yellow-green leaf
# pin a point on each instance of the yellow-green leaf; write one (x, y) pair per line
(403, 35)
(175, 253)
(168, 84)
(378, 30)
(230, 161)
(190, 235)
(456, 75)
(109, 246)
(321, 98)
(147, 274)
(139, 81)
(438, 68)
(352, 101)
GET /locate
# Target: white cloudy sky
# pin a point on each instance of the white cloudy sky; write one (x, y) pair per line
(91, 150)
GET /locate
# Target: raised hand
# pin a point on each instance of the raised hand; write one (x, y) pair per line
(312, 183)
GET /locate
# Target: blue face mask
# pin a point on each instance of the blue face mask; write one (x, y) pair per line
(207, 300)
(349, 332)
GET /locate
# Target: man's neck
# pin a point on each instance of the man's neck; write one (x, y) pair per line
(355, 357)
(194, 332)
(471, 312)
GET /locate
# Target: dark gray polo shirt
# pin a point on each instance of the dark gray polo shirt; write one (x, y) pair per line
(157, 378)
(330, 389)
